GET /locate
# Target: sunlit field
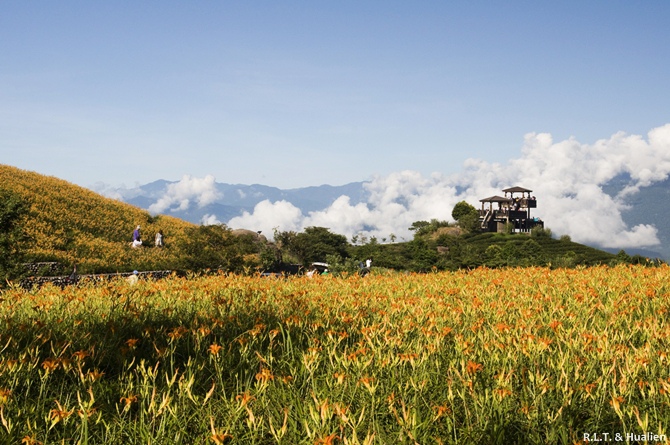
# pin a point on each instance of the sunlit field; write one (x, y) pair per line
(528, 356)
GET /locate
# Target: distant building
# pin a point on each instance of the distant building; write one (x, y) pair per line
(513, 208)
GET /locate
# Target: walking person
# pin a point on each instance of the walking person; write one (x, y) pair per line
(137, 237)
(365, 268)
(74, 276)
(158, 241)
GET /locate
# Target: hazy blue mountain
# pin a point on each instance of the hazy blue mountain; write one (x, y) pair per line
(307, 199)
(238, 198)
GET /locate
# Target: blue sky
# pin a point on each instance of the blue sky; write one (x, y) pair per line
(292, 94)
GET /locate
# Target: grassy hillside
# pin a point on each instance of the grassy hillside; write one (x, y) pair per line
(450, 250)
(70, 224)
(546, 249)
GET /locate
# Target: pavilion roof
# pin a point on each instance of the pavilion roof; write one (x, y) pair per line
(516, 189)
(495, 198)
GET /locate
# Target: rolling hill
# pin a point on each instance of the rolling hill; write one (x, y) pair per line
(70, 224)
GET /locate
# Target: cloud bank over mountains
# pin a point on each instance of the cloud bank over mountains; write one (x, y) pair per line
(567, 177)
(394, 202)
(181, 194)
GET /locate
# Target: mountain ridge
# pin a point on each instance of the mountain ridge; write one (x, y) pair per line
(238, 198)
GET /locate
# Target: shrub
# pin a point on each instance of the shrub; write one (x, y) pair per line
(540, 232)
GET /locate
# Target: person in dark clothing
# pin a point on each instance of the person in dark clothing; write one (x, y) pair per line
(74, 277)
(137, 238)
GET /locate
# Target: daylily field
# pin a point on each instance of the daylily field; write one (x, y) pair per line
(527, 355)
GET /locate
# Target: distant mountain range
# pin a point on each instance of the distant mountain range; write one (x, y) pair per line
(237, 198)
(648, 206)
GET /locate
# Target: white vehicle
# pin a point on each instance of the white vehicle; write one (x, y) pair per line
(318, 268)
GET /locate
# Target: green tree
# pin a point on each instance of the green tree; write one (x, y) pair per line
(12, 237)
(462, 209)
(213, 247)
(419, 227)
(422, 228)
(467, 216)
(623, 257)
(314, 244)
(423, 255)
(341, 266)
(270, 257)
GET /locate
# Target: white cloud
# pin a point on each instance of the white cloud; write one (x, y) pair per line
(341, 217)
(108, 191)
(567, 177)
(267, 216)
(180, 195)
(209, 220)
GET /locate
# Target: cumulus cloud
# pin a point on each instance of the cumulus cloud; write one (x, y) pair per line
(566, 176)
(108, 191)
(395, 202)
(209, 220)
(568, 179)
(267, 216)
(180, 195)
